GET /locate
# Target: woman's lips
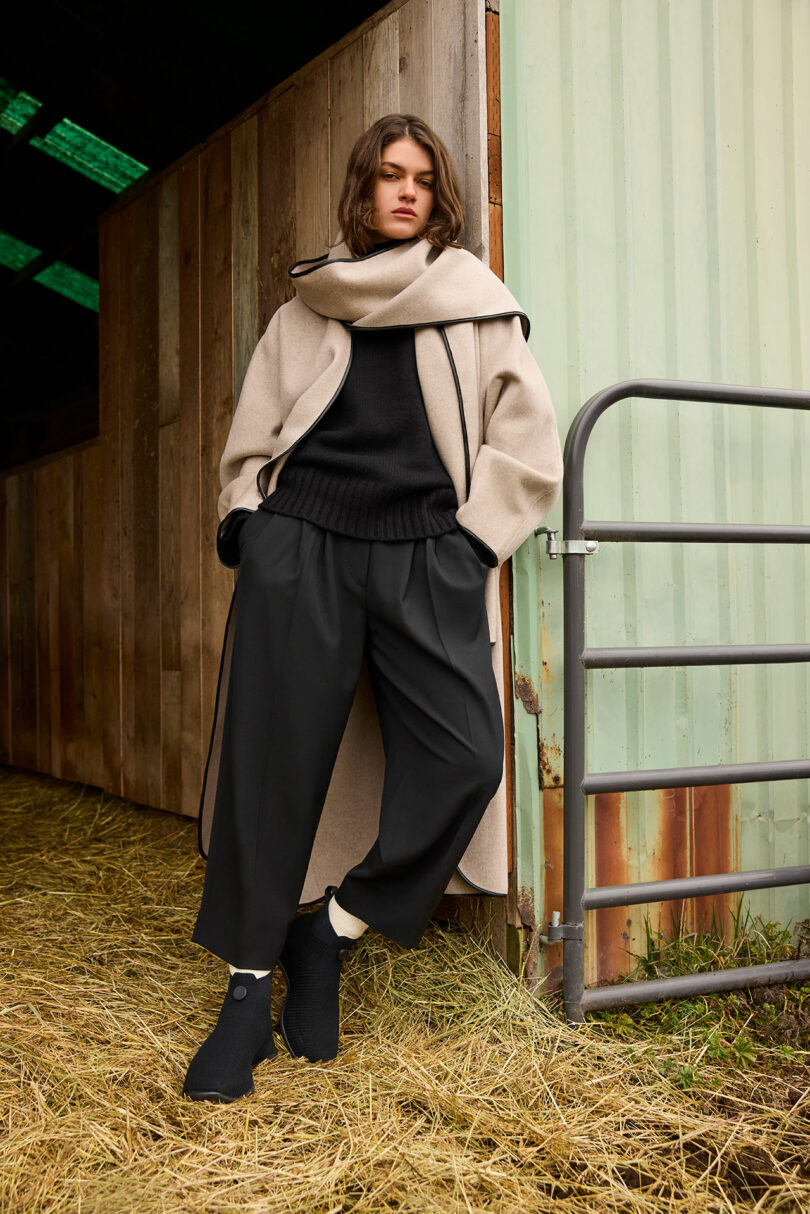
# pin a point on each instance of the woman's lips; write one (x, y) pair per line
(406, 214)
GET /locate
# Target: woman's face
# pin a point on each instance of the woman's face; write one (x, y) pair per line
(403, 193)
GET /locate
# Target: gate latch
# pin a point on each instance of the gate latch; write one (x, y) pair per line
(561, 931)
(555, 547)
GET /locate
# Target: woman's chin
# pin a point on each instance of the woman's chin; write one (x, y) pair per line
(397, 231)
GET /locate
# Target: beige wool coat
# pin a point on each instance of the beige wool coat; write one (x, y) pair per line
(494, 428)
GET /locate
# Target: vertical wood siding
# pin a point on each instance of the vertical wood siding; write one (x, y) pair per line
(657, 223)
(112, 599)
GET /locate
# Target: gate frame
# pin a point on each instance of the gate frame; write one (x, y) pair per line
(582, 540)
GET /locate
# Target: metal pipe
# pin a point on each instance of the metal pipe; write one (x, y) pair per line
(691, 533)
(693, 887)
(667, 389)
(573, 776)
(694, 777)
(624, 993)
(692, 655)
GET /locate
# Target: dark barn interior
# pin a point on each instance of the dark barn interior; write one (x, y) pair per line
(94, 99)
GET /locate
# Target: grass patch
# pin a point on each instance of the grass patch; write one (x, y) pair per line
(768, 1026)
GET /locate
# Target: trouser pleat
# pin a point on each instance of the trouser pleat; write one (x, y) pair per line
(310, 603)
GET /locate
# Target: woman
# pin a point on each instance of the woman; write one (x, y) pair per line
(365, 501)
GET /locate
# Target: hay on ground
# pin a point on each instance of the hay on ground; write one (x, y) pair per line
(455, 1088)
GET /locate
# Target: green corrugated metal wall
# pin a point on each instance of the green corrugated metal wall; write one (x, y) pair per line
(656, 180)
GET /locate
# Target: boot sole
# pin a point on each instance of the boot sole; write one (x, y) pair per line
(218, 1097)
(223, 1097)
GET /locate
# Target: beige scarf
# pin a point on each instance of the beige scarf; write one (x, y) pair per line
(412, 283)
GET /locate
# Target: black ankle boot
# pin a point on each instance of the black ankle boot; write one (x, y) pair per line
(311, 960)
(243, 1036)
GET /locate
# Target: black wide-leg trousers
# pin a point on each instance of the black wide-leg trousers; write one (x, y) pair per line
(309, 604)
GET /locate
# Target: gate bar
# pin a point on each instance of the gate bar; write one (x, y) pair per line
(691, 655)
(708, 983)
(574, 994)
(694, 777)
(601, 896)
(693, 533)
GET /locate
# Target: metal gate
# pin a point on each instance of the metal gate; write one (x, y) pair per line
(581, 539)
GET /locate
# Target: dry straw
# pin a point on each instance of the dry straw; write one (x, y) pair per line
(455, 1090)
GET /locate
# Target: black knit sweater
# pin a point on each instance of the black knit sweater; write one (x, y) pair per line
(369, 468)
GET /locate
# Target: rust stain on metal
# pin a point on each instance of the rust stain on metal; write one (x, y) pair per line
(612, 935)
(550, 761)
(528, 920)
(552, 870)
(711, 830)
(695, 837)
(525, 692)
(670, 854)
(525, 906)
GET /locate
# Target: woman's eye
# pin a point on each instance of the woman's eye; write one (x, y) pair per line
(392, 177)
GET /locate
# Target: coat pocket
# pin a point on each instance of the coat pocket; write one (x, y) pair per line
(253, 525)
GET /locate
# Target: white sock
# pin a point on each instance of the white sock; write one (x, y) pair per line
(344, 923)
(238, 969)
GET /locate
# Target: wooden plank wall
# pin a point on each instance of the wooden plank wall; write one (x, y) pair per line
(112, 600)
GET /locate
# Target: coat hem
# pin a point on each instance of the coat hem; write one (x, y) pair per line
(481, 889)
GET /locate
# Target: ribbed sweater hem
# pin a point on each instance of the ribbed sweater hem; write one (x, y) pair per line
(353, 513)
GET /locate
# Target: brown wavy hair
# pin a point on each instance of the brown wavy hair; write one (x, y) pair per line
(356, 204)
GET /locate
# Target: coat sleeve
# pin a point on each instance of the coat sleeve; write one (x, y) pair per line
(256, 424)
(518, 469)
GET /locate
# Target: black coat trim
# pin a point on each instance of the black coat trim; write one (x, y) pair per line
(227, 542)
(213, 727)
(460, 400)
(292, 446)
(458, 320)
(314, 263)
(486, 555)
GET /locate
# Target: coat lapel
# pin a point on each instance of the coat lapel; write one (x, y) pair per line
(328, 357)
(441, 406)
